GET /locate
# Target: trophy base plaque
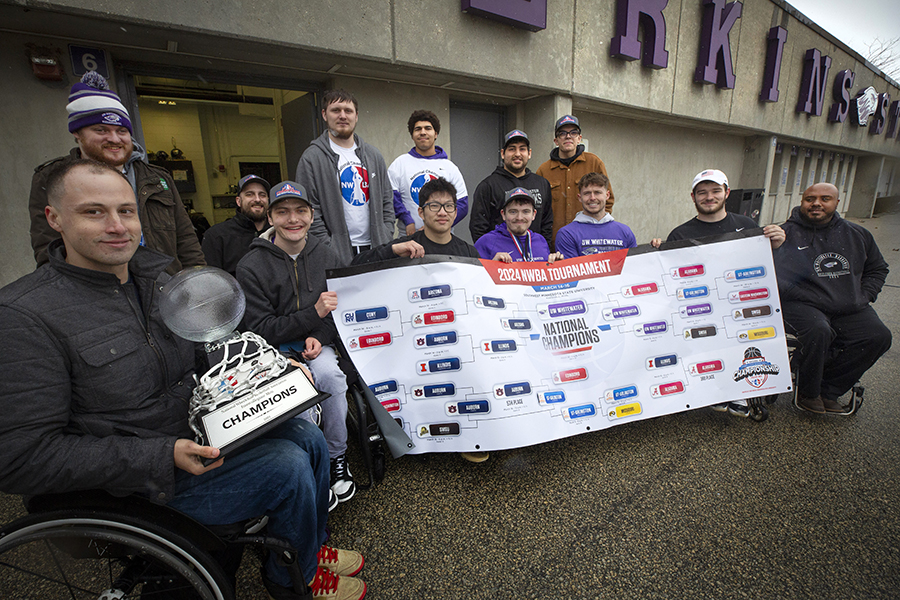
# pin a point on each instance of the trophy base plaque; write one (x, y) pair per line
(246, 418)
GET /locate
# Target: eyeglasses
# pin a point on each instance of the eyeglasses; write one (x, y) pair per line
(570, 133)
(449, 207)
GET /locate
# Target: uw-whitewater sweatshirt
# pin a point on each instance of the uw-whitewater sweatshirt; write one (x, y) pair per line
(587, 235)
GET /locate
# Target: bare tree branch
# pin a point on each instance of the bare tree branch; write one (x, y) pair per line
(885, 54)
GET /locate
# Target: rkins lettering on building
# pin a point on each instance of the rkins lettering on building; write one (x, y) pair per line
(641, 34)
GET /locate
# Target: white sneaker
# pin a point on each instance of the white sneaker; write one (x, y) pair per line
(342, 483)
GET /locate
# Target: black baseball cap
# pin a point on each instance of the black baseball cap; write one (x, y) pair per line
(515, 134)
(250, 179)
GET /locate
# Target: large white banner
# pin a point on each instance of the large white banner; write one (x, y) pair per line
(480, 355)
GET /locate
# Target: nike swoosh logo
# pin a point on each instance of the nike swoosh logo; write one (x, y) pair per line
(741, 229)
(803, 248)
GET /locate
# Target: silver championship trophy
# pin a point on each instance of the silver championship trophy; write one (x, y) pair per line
(250, 387)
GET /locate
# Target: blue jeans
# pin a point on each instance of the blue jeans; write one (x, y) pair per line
(283, 474)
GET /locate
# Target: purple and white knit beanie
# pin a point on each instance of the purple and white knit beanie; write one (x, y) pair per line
(91, 102)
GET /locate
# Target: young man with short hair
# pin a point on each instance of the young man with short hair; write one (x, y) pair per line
(490, 194)
(568, 163)
(511, 240)
(225, 244)
(347, 182)
(283, 278)
(709, 190)
(437, 207)
(424, 162)
(594, 230)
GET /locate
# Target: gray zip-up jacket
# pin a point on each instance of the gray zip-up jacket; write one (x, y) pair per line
(317, 172)
(95, 387)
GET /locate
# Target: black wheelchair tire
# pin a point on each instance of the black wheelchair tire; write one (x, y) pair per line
(93, 552)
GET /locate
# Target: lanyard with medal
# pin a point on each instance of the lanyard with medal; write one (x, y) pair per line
(525, 257)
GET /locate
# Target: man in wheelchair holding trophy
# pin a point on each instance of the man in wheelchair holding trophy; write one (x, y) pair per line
(96, 393)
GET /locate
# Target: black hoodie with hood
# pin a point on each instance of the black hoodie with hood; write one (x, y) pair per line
(282, 292)
(488, 198)
(835, 267)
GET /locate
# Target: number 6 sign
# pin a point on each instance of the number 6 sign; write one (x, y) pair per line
(88, 59)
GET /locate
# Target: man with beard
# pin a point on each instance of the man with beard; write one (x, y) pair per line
(102, 129)
(567, 165)
(424, 162)
(347, 182)
(709, 192)
(511, 240)
(490, 194)
(829, 272)
(593, 230)
(225, 244)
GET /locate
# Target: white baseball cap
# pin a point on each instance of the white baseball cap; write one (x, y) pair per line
(713, 175)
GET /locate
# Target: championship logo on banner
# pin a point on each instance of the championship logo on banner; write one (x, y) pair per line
(484, 355)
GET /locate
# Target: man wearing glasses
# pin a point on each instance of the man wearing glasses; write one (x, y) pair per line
(567, 165)
(437, 209)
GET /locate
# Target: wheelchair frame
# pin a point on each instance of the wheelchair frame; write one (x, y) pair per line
(857, 392)
(98, 546)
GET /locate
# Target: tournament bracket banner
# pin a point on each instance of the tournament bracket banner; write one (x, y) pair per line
(481, 355)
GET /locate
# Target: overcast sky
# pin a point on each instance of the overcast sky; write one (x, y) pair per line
(856, 22)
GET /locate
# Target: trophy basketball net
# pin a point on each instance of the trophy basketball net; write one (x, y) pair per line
(250, 387)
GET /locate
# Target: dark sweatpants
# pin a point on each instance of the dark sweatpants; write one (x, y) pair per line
(835, 349)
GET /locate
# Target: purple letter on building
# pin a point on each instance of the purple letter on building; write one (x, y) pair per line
(812, 87)
(526, 14)
(880, 116)
(841, 93)
(714, 61)
(648, 15)
(893, 115)
(777, 37)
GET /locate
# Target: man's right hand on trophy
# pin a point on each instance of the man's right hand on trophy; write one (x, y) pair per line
(189, 456)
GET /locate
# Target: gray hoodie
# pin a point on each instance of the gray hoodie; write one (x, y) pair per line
(317, 171)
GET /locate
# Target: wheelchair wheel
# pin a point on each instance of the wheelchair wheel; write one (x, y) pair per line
(99, 555)
(758, 411)
(378, 461)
